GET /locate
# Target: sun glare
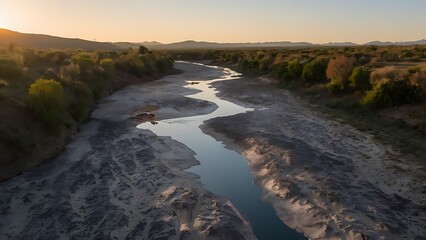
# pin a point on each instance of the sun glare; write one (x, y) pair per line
(5, 20)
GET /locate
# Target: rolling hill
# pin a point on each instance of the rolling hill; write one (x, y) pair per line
(408, 43)
(136, 45)
(41, 41)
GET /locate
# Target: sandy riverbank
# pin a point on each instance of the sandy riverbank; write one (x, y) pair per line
(115, 181)
(325, 179)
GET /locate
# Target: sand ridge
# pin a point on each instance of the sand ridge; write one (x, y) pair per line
(323, 178)
(115, 181)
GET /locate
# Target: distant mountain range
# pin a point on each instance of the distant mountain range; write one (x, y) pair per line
(409, 43)
(41, 41)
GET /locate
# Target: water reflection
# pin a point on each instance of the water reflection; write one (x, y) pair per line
(223, 171)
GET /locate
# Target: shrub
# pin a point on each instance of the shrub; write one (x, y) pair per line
(85, 63)
(314, 72)
(80, 99)
(389, 93)
(131, 63)
(419, 78)
(70, 72)
(360, 79)
(107, 64)
(46, 99)
(336, 87)
(55, 57)
(50, 73)
(389, 72)
(9, 69)
(30, 57)
(295, 69)
(282, 71)
(163, 65)
(339, 70)
(99, 82)
(143, 49)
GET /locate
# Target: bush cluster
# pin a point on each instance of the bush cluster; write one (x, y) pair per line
(350, 71)
(388, 93)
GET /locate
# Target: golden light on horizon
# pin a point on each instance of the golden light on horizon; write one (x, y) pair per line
(10, 17)
(170, 21)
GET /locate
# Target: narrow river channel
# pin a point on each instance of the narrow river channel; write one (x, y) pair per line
(221, 170)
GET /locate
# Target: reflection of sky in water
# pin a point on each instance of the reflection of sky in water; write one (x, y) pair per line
(223, 171)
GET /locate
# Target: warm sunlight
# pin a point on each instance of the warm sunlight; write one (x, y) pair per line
(166, 21)
(213, 119)
(6, 21)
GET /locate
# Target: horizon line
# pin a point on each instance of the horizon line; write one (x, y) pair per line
(205, 41)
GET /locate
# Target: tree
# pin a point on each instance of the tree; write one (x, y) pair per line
(142, 49)
(338, 71)
(46, 99)
(314, 72)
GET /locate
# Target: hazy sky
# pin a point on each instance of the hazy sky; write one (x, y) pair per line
(317, 21)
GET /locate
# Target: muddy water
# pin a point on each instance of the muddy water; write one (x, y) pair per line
(223, 171)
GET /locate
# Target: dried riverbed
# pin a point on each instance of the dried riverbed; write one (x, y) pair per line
(323, 178)
(115, 181)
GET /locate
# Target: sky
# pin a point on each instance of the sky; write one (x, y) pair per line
(166, 21)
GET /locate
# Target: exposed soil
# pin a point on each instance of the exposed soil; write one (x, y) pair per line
(324, 178)
(115, 181)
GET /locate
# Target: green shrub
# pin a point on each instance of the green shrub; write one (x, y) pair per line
(389, 93)
(295, 69)
(55, 56)
(46, 99)
(107, 64)
(164, 64)
(314, 72)
(9, 69)
(360, 79)
(80, 99)
(86, 63)
(336, 87)
(99, 82)
(131, 63)
(282, 71)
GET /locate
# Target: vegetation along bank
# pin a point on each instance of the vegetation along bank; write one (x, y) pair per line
(378, 89)
(45, 95)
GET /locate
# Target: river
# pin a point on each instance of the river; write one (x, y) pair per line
(223, 171)
(119, 179)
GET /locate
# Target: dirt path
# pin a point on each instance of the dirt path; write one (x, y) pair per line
(323, 178)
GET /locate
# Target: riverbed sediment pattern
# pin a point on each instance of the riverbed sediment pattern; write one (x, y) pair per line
(115, 181)
(323, 178)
